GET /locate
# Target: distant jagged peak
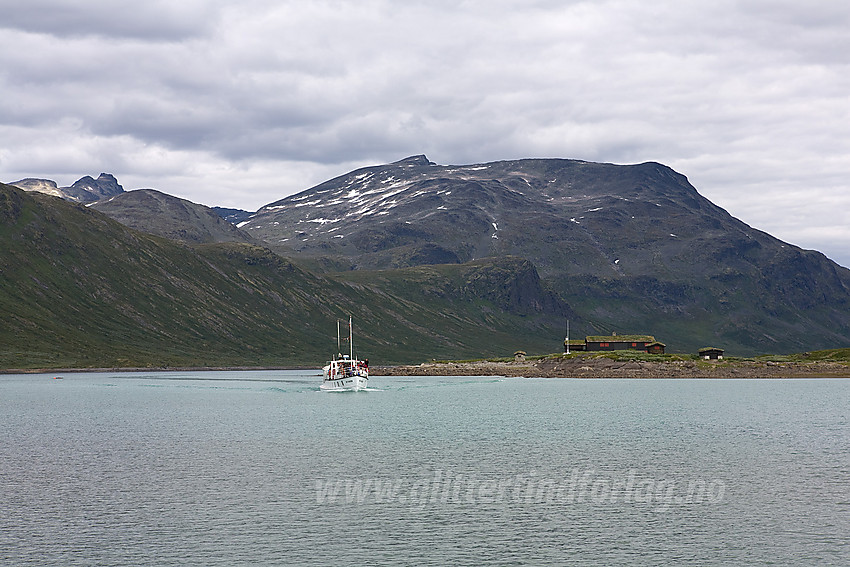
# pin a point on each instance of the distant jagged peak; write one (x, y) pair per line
(106, 185)
(420, 159)
(85, 190)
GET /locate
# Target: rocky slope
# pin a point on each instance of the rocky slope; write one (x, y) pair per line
(155, 212)
(235, 216)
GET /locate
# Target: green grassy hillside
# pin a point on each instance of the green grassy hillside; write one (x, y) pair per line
(78, 289)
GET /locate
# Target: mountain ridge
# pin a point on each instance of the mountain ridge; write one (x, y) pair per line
(629, 247)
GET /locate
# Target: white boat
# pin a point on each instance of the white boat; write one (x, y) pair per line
(345, 373)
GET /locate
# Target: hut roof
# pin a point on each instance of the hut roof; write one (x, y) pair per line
(621, 339)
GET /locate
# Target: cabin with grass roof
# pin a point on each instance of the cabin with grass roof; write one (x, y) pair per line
(711, 353)
(655, 348)
(646, 343)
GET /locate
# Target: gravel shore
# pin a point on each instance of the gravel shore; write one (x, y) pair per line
(591, 367)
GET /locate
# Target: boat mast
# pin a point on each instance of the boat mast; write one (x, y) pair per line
(350, 339)
(568, 336)
(338, 344)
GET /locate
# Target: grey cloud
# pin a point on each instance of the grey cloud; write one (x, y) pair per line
(149, 20)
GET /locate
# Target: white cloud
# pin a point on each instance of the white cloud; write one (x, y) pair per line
(241, 104)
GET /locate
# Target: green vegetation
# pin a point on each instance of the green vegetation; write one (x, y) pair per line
(831, 355)
(841, 355)
(636, 356)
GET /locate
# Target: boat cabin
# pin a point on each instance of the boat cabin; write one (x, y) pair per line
(346, 366)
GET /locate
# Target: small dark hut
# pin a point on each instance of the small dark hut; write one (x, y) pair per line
(711, 353)
(655, 348)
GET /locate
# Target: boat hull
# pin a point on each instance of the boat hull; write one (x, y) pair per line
(346, 384)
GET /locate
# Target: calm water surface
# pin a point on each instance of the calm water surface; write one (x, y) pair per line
(261, 468)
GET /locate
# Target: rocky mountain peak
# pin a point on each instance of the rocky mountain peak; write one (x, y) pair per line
(89, 189)
(414, 160)
(85, 190)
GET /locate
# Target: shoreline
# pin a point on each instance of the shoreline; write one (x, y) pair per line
(590, 368)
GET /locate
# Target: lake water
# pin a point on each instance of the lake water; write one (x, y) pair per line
(261, 468)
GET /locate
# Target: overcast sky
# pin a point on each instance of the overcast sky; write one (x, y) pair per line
(242, 103)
